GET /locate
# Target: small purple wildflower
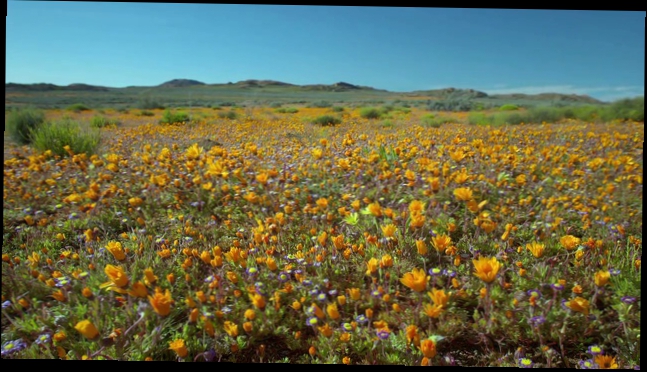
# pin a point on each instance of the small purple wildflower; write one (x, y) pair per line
(557, 286)
(595, 350)
(383, 334)
(435, 271)
(312, 321)
(44, 339)
(614, 272)
(361, 319)
(347, 327)
(11, 347)
(628, 299)
(587, 364)
(283, 276)
(535, 321)
(525, 363)
(6, 304)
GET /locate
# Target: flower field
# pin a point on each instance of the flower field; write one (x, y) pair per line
(265, 238)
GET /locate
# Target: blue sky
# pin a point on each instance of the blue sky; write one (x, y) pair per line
(599, 53)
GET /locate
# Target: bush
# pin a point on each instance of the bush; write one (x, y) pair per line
(146, 113)
(478, 119)
(337, 109)
(326, 120)
(149, 103)
(231, 115)
(77, 107)
(429, 120)
(102, 121)
(55, 136)
(627, 109)
(20, 124)
(287, 110)
(509, 107)
(321, 104)
(370, 113)
(174, 117)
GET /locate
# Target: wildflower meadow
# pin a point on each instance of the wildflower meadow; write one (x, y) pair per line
(255, 235)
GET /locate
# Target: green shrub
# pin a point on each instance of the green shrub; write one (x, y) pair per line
(337, 109)
(321, 104)
(77, 107)
(387, 124)
(627, 109)
(55, 136)
(478, 118)
(146, 113)
(178, 117)
(513, 118)
(102, 121)
(370, 113)
(326, 120)
(149, 103)
(231, 115)
(21, 122)
(286, 110)
(508, 107)
(429, 120)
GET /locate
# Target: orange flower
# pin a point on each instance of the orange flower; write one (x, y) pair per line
(389, 230)
(441, 242)
(569, 242)
(486, 268)
(332, 311)
(355, 293)
(179, 347)
(116, 250)
(602, 278)
(605, 362)
(536, 249)
(149, 277)
(257, 300)
(116, 275)
(161, 302)
(371, 266)
(412, 335)
(439, 297)
(138, 290)
(579, 304)
(421, 246)
(463, 194)
(231, 328)
(416, 280)
(87, 329)
(386, 261)
(428, 348)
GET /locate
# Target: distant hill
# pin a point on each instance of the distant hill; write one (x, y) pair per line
(44, 87)
(180, 83)
(549, 97)
(272, 90)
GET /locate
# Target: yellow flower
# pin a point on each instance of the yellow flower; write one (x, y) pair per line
(486, 268)
(87, 329)
(428, 348)
(138, 290)
(116, 250)
(231, 328)
(332, 311)
(375, 209)
(412, 335)
(271, 263)
(439, 297)
(602, 278)
(116, 275)
(371, 266)
(433, 311)
(416, 280)
(355, 293)
(389, 230)
(569, 242)
(386, 261)
(606, 362)
(161, 302)
(325, 330)
(536, 249)
(135, 202)
(179, 347)
(416, 206)
(579, 304)
(440, 242)
(257, 300)
(463, 194)
(421, 246)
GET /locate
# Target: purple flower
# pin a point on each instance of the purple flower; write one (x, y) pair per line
(307, 282)
(595, 350)
(376, 294)
(435, 271)
(283, 276)
(383, 334)
(321, 297)
(43, 339)
(332, 292)
(312, 321)
(260, 288)
(347, 327)
(628, 299)
(587, 364)
(525, 363)
(209, 279)
(361, 319)
(6, 304)
(449, 273)
(557, 286)
(534, 292)
(535, 321)
(614, 272)
(11, 347)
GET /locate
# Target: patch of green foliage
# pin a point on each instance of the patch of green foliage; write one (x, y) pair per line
(21, 122)
(56, 135)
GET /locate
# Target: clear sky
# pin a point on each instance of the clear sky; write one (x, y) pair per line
(599, 53)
